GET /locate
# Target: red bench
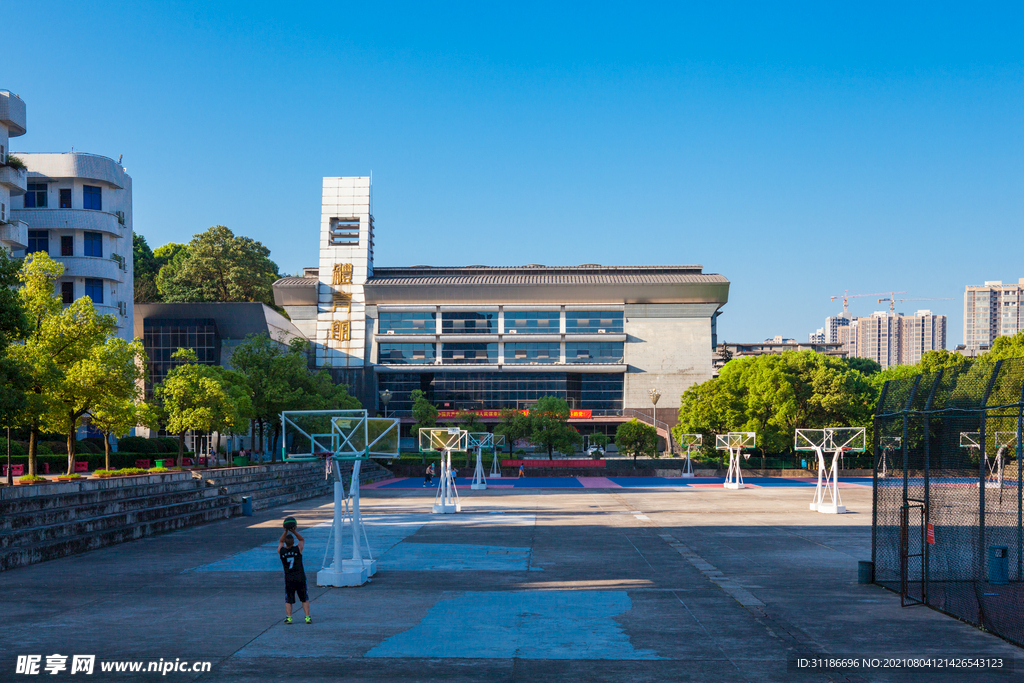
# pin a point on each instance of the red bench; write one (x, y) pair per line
(81, 467)
(142, 464)
(16, 470)
(168, 462)
(186, 462)
(553, 463)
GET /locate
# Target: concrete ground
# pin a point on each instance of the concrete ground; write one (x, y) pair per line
(582, 584)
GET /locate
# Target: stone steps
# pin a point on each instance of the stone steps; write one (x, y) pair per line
(48, 521)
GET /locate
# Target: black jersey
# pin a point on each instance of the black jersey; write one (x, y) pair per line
(291, 559)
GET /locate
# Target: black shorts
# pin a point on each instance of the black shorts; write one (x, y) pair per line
(293, 586)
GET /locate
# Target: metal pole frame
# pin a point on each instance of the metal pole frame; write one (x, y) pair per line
(981, 471)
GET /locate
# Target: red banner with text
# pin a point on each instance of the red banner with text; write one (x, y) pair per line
(573, 414)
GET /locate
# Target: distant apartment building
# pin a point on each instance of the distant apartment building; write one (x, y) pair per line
(817, 337)
(729, 350)
(833, 324)
(921, 332)
(991, 310)
(13, 232)
(78, 208)
(895, 339)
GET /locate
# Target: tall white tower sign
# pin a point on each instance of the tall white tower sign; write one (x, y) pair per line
(346, 261)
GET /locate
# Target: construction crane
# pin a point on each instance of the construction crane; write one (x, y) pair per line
(892, 300)
(846, 299)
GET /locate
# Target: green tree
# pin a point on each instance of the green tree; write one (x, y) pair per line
(14, 327)
(423, 411)
(514, 425)
(637, 438)
(114, 416)
(549, 423)
(105, 373)
(1007, 346)
(220, 266)
(194, 397)
(144, 270)
(61, 340)
(600, 439)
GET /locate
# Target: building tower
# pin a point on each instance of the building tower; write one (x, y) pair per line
(992, 310)
(346, 261)
(13, 232)
(79, 210)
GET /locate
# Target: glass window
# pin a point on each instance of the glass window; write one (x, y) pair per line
(38, 240)
(593, 352)
(93, 244)
(67, 292)
(454, 322)
(532, 352)
(408, 322)
(92, 197)
(532, 322)
(412, 354)
(94, 290)
(593, 322)
(35, 198)
(67, 245)
(157, 338)
(469, 353)
(65, 198)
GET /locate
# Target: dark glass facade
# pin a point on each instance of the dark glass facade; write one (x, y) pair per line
(406, 354)
(469, 353)
(532, 352)
(458, 322)
(532, 322)
(493, 390)
(593, 352)
(408, 322)
(591, 322)
(161, 338)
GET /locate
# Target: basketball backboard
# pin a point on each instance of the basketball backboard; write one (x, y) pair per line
(735, 440)
(691, 440)
(443, 439)
(853, 439)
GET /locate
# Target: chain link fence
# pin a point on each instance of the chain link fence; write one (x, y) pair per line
(947, 516)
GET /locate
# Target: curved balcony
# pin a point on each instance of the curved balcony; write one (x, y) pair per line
(14, 180)
(14, 235)
(77, 165)
(12, 113)
(72, 219)
(91, 266)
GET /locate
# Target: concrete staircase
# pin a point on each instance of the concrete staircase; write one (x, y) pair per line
(280, 484)
(48, 521)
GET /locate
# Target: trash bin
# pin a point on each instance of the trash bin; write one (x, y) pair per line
(998, 565)
(865, 571)
(247, 506)
(240, 462)
(160, 463)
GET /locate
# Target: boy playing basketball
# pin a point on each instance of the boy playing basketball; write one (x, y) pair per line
(294, 573)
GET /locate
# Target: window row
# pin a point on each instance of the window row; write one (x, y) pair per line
(486, 322)
(37, 197)
(470, 353)
(93, 290)
(39, 240)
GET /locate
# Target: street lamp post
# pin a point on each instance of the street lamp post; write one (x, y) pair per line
(10, 476)
(385, 398)
(655, 395)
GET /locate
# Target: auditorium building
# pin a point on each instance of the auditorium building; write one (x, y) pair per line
(484, 338)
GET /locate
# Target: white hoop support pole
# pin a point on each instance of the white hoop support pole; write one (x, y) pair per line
(828, 484)
(479, 483)
(355, 571)
(687, 465)
(734, 477)
(496, 465)
(447, 499)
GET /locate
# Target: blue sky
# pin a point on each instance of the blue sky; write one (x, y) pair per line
(800, 151)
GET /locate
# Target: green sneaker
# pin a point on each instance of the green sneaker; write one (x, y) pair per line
(309, 620)
(287, 620)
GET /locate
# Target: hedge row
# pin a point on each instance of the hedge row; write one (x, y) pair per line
(131, 444)
(58, 463)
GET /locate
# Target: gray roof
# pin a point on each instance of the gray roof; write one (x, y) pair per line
(235, 320)
(541, 275)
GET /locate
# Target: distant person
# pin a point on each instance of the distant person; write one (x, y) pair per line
(428, 477)
(294, 573)
(522, 472)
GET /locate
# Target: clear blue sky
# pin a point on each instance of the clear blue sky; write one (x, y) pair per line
(799, 152)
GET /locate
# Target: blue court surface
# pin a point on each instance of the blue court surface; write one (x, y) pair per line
(463, 483)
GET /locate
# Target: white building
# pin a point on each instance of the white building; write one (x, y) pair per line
(13, 232)
(78, 208)
(992, 310)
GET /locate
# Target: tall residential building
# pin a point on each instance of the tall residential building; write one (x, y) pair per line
(817, 337)
(13, 232)
(833, 324)
(992, 310)
(924, 331)
(78, 208)
(878, 338)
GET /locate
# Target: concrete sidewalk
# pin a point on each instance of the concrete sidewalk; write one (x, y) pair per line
(528, 585)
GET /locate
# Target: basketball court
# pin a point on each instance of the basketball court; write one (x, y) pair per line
(651, 579)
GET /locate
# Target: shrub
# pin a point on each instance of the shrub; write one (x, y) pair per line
(158, 470)
(170, 444)
(53, 447)
(17, 447)
(15, 162)
(72, 476)
(29, 477)
(130, 470)
(136, 444)
(103, 473)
